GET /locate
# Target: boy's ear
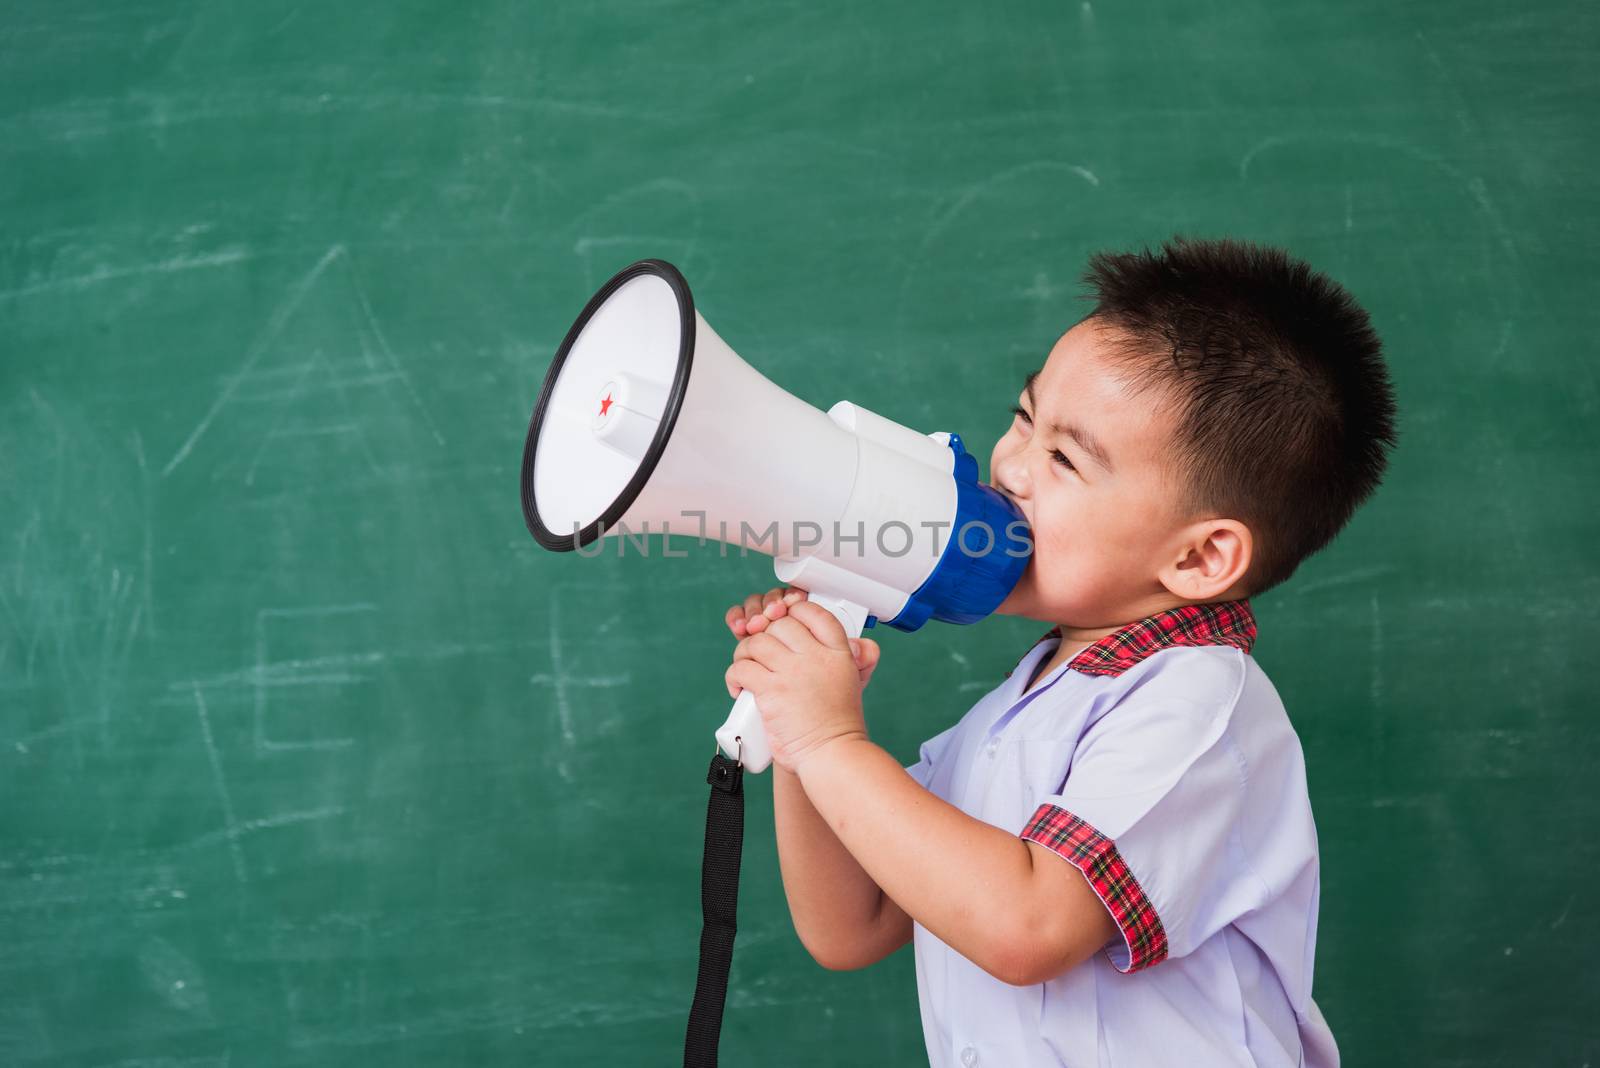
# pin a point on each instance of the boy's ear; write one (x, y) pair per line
(1212, 557)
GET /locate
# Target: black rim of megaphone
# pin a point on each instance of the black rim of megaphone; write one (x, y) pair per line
(669, 416)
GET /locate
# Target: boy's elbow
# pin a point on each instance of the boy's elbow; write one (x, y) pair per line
(1013, 961)
(854, 950)
(850, 955)
(836, 960)
(839, 964)
(824, 951)
(1028, 958)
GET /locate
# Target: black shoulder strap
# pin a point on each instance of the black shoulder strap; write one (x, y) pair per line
(719, 904)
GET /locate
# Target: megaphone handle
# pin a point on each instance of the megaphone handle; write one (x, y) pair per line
(743, 736)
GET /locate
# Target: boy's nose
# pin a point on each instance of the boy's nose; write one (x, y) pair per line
(1010, 477)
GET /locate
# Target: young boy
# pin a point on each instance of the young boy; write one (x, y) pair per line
(1110, 859)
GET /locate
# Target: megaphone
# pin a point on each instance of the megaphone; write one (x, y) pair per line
(639, 429)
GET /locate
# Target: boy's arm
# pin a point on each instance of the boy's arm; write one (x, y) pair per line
(1019, 912)
(839, 913)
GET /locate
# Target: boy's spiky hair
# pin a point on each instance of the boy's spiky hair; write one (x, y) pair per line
(1283, 411)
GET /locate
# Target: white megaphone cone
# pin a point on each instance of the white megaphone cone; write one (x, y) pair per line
(637, 432)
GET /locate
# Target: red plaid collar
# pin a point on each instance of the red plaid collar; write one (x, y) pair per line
(1224, 623)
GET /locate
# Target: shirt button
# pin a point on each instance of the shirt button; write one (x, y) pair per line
(991, 749)
(969, 1057)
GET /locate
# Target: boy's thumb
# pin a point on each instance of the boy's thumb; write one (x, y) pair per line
(864, 649)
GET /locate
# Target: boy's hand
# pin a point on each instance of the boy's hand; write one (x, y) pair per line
(805, 681)
(761, 610)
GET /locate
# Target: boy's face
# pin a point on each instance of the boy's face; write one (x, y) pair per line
(1103, 526)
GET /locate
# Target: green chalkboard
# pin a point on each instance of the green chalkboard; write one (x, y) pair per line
(310, 756)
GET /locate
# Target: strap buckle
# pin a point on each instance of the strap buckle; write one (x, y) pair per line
(738, 753)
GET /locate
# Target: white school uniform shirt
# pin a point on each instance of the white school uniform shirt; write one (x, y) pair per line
(1161, 764)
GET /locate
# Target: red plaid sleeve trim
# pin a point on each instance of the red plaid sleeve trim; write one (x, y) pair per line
(1096, 856)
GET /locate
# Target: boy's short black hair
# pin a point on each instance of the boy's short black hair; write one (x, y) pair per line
(1284, 412)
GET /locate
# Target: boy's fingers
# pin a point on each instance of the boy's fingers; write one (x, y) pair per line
(762, 648)
(865, 650)
(794, 635)
(745, 675)
(773, 606)
(821, 623)
(866, 658)
(759, 609)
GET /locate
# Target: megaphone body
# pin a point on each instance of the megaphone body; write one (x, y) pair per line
(641, 428)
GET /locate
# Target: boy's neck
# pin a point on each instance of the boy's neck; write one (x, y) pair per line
(1073, 642)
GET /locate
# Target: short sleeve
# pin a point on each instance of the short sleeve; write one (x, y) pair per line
(1150, 812)
(929, 756)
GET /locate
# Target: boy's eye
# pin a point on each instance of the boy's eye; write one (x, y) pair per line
(1055, 454)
